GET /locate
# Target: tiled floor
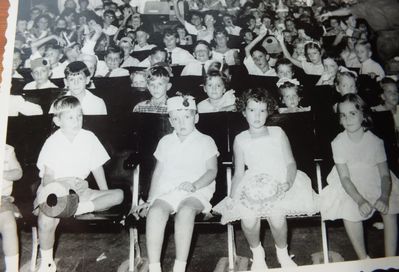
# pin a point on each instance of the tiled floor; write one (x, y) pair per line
(80, 245)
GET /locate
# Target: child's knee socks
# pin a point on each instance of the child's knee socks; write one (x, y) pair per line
(154, 267)
(283, 258)
(12, 263)
(179, 266)
(258, 258)
(85, 207)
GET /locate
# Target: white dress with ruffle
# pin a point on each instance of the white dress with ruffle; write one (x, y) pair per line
(259, 193)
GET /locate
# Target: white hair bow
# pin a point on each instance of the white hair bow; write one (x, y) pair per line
(283, 80)
(343, 69)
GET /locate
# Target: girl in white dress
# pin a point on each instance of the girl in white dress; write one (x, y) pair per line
(271, 187)
(360, 181)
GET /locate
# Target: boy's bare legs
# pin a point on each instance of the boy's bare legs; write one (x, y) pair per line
(279, 229)
(102, 200)
(356, 236)
(8, 230)
(251, 229)
(157, 217)
(47, 226)
(390, 233)
(184, 226)
(108, 199)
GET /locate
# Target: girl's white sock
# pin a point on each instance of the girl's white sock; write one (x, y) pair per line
(12, 263)
(154, 267)
(258, 252)
(47, 255)
(283, 258)
(85, 207)
(179, 266)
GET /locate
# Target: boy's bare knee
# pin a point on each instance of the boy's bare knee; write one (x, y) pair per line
(8, 222)
(250, 222)
(46, 223)
(277, 221)
(160, 207)
(118, 196)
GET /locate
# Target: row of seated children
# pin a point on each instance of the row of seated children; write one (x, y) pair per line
(178, 155)
(215, 86)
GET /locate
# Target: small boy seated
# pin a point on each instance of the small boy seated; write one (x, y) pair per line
(53, 55)
(202, 54)
(126, 44)
(182, 184)
(368, 66)
(390, 99)
(157, 84)
(113, 59)
(16, 62)
(12, 171)
(157, 54)
(176, 55)
(142, 36)
(71, 152)
(77, 77)
(41, 74)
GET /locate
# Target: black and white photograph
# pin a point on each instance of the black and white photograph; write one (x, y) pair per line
(199, 135)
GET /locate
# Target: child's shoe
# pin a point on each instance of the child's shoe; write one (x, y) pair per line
(283, 258)
(47, 267)
(258, 261)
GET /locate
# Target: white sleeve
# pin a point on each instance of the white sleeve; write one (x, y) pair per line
(190, 28)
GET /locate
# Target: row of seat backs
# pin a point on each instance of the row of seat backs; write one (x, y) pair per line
(139, 134)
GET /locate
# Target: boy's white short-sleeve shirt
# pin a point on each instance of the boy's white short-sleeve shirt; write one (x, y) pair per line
(72, 159)
(180, 56)
(184, 161)
(255, 70)
(33, 85)
(91, 104)
(371, 66)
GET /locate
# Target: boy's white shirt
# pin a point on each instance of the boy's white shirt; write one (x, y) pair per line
(19, 105)
(33, 86)
(371, 66)
(72, 159)
(253, 69)
(91, 104)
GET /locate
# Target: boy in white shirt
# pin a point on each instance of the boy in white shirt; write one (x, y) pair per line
(73, 153)
(176, 55)
(183, 182)
(41, 74)
(77, 77)
(368, 66)
(113, 59)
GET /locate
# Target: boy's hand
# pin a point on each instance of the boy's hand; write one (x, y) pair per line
(365, 208)
(381, 205)
(187, 186)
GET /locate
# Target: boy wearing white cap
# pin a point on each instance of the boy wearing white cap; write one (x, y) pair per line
(41, 73)
(183, 182)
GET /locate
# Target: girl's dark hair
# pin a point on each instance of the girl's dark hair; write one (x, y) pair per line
(312, 45)
(360, 105)
(288, 84)
(257, 95)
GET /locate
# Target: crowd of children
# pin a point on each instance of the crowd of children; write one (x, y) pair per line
(284, 41)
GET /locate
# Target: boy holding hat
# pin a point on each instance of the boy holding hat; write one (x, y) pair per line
(182, 184)
(71, 153)
(41, 73)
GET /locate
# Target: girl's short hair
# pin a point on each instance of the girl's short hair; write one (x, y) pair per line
(258, 95)
(360, 105)
(287, 85)
(64, 103)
